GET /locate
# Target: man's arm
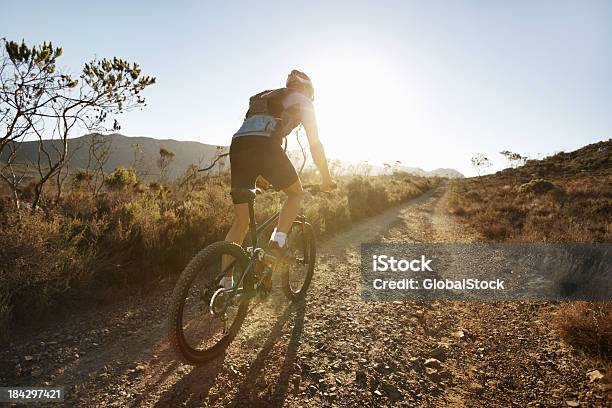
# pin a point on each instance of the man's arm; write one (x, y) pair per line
(318, 155)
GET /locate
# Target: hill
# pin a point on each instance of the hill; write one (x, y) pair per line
(562, 198)
(442, 172)
(122, 153)
(186, 153)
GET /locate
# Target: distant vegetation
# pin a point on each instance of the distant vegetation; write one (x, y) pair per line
(563, 198)
(109, 151)
(132, 232)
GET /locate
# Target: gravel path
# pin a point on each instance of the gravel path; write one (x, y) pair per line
(334, 349)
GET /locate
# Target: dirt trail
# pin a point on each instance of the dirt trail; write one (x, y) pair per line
(334, 349)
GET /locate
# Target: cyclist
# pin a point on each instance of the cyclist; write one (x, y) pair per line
(256, 152)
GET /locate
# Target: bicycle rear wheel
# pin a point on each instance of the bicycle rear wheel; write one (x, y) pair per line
(196, 333)
(301, 247)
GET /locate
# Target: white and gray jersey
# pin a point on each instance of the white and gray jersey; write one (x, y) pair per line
(297, 108)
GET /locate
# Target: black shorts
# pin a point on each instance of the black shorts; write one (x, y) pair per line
(253, 156)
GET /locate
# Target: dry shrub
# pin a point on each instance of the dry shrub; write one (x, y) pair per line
(137, 234)
(365, 198)
(537, 186)
(587, 326)
(329, 213)
(5, 313)
(563, 198)
(41, 259)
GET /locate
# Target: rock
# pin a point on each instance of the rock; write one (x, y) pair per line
(571, 403)
(28, 358)
(140, 367)
(594, 375)
(475, 387)
(296, 379)
(439, 353)
(433, 375)
(361, 379)
(460, 334)
(433, 363)
(392, 392)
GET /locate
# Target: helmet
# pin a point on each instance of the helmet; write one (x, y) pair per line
(300, 81)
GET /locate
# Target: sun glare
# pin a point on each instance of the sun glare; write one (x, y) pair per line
(359, 100)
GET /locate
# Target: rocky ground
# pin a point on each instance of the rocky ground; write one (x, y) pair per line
(333, 349)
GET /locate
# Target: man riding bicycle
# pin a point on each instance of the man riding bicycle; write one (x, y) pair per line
(256, 151)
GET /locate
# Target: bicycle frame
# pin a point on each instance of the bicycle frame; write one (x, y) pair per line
(255, 231)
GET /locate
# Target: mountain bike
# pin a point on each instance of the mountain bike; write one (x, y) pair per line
(204, 319)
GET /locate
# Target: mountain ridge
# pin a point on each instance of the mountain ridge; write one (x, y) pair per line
(187, 152)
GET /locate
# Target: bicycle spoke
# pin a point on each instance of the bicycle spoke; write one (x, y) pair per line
(205, 325)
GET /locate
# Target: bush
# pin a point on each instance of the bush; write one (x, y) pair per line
(121, 178)
(365, 198)
(537, 186)
(587, 327)
(41, 260)
(137, 236)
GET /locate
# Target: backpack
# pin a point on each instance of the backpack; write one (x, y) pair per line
(270, 102)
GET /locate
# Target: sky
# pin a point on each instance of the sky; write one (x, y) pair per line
(428, 83)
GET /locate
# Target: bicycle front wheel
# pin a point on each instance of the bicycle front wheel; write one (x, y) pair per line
(196, 332)
(301, 248)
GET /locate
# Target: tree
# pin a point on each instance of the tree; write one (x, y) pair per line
(98, 153)
(42, 102)
(191, 177)
(335, 167)
(480, 163)
(396, 166)
(166, 157)
(138, 161)
(367, 168)
(221, 157)
(514, 159)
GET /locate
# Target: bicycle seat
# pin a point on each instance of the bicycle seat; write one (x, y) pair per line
(247, 193)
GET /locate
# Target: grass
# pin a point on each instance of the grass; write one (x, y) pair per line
(140, 234)
(563, 198)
